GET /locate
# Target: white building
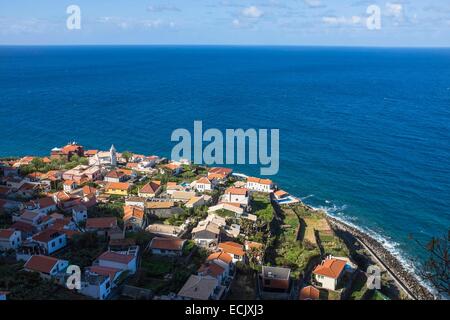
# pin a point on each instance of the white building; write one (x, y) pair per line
(330, 272)
(203, 184)
(118, 260)
(10, 239)
(47, 267)
(261, 185)
(108, 158)
(50, 240)
(236, 195)
(79, 213)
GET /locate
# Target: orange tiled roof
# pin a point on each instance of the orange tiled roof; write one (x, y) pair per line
(131, 211)
(331, 268)
(151, 187)
(232, 247)
(101, 223)
(118, 185)
(6, 233)
(167, 243)
(309, 293)
(40, 263)
(237, 191)
(220, 256)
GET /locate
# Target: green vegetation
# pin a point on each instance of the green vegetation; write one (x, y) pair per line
(261, 207)
(38, 165)
(286, 250)
(225, 213)
(84, 249)
(359, 288)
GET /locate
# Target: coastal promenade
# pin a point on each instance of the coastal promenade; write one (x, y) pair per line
(404, 279)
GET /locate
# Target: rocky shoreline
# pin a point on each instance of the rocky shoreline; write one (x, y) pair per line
(406, 278)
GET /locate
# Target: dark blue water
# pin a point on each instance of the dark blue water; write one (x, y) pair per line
(364, 133)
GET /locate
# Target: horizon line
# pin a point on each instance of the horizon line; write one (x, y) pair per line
(226, 45)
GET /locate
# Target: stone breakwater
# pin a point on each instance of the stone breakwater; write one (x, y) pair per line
(391, 263)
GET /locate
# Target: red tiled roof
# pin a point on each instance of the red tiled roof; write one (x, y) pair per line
(101, 223)
(116, 257)
(204, 180)
(309, 293)
(131, 211)
(259, 180)
(211, 269)
(118, 185)
(6, 233)
(167, 243)
(220, 256)
(331, 268)
(105, 271)
(232, 247)
(43, 264)
(220, 170)
(237, 191)
(22, 226)
(46, 235)
(151, 187)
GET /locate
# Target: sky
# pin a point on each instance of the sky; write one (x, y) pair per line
(410, 23)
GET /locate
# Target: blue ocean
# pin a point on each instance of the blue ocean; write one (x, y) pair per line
(364, 133)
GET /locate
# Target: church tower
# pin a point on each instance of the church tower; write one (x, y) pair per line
(113, 155)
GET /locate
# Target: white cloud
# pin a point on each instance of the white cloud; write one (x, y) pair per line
(394, 10)
(313, 3)
(252, 12)
(236, 23)
(354, 20)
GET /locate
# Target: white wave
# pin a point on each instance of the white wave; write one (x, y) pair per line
(307, 197)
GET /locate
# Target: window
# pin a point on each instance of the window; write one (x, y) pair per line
(60, 240)
(53, 244)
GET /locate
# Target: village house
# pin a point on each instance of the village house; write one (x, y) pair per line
(182, 196)
(167, 246)
(10, 239)
(117, 188)
(275, 282)
(135, 202)
(115, 176)
(309, 293)
(228, 207)
(234, 250)
(254, 250)
(69, 185)
(83, 173)
(203, 184)
(50, 240)
(202, 288)
(38, 221)
(67, 151)
(213, 270)
(171, 187)
(206, 234)
(96, 285)
(102, 225)
(118, 260)
(134, 218)
(222, 259)
(219, 173)
(79, 213)
(25, 229)
(258, 184)
(236, 195)
(330, 273)
(28, 190)
(47, 267)
(162, 209)
(43, 205)
(280, 194)
(165, 230)
(195, 202)
(150, 190)
(173, 168)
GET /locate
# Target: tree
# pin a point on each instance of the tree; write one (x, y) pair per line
(127, 155)
(436, 267)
